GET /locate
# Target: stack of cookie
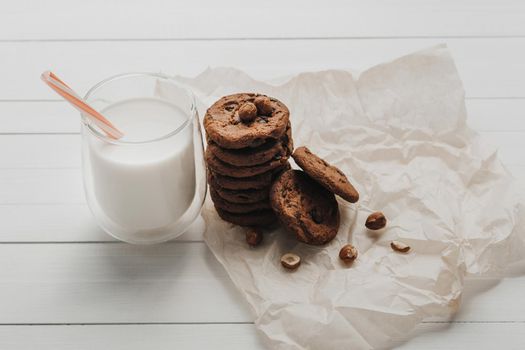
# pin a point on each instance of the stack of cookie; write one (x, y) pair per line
(249, 143)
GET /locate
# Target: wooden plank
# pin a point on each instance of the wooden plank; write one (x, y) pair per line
(509, 145)
(41, 186)
(488, 67)
(56, 19)
(60, 214)
(131, 337)
(482, 336)
(492, 300)
(38, 117)
(70, 222)
(496, 114)
(49, 222)
(45, 175)
(44, 183)
(54, 116)
(63, 151)
(61, 223)
(121, 283)
(518, 172)
(115, 283)
(40, 151)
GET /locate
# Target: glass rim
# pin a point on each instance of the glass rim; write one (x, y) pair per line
(192, 110)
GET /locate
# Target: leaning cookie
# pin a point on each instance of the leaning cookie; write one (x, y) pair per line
(305, 208)
(223, 124)
(327, 175)
(255, 218)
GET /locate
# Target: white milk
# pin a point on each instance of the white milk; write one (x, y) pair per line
(139, 190)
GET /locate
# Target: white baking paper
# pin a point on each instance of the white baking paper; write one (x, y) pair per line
(399, 131)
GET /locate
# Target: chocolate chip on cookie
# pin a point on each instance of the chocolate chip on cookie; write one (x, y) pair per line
(305, 207)
(327, 175)
(223, 125)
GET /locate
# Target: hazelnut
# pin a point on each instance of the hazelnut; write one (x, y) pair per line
(290, 261)
(247, 112)
(348, 253)
(254, 236)
(375, 221)
(264, 105)
(399, 246)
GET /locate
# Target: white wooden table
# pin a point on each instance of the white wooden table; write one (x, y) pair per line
(64, 284)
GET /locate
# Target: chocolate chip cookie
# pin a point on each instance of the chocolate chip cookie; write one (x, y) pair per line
(224, 126)
(271, 149)
(305, 207)
(237, 208)
(239, 196)
(220, 167)
(255, 218)
(327, 175)
(258, 181)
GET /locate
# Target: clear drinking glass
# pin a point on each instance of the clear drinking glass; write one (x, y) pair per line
(149, 186)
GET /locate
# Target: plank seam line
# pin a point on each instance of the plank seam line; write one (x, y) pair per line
(40, 133)
(66, 133)
(33, 100)
(91, 242)
(284, 38)
(14, 204)
(483, 98)
(506, 163)
(83, 204)
(213, 323)
(42, 168)
(36, 100)
(473, 322)
(121, 323)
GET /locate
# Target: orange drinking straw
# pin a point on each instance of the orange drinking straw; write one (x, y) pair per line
(76, 101)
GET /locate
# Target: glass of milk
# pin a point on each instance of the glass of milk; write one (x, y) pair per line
(149, 186)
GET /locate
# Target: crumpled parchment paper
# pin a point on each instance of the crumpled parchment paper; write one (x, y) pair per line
(398, 130)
